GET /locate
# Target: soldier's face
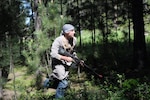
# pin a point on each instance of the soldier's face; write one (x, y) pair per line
(71, 34)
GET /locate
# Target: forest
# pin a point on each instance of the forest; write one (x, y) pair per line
(113, 39)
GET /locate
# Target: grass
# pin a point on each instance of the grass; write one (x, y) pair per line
(24, 85)
(21, 78)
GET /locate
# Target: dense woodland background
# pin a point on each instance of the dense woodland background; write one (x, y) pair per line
(113, 39)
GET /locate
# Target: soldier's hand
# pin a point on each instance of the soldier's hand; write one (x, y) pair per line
(69, 59)
(82, 63)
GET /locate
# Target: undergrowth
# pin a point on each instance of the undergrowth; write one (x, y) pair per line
(85, 89)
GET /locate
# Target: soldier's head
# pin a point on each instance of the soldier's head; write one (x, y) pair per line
(68, 30)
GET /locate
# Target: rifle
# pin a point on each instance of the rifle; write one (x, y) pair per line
(62, 51)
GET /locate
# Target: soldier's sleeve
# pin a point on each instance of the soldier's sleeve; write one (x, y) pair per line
(54, 49)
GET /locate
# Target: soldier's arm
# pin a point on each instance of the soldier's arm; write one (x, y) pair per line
(54, 51)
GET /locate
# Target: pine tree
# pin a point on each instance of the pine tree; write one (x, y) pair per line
(12, 23)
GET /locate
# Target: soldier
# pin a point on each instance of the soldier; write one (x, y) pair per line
(61, 63)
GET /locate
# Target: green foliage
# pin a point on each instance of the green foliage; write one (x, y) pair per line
(115, 95)
(130, 84)
(12, 20)
(143, 91)
(36, 48)
(52, 21)
(38, 95)
(4, 55)
(12, 24)
(86, 37)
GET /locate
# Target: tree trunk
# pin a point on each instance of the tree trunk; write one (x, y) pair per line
(1, 89)
(79, 25)
(139, 38)
(12, 67)
(105, 35)
(37, 19)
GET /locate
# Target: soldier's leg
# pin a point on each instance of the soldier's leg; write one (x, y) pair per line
(63, 84)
